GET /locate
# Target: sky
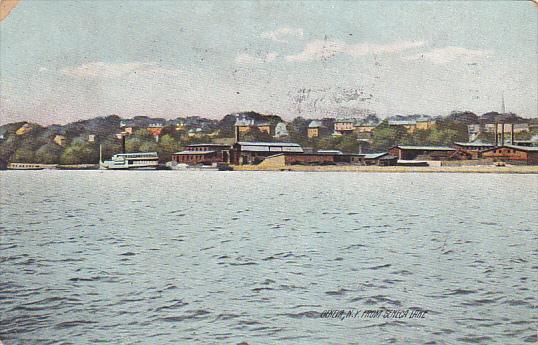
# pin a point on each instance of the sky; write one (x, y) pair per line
(62, 61)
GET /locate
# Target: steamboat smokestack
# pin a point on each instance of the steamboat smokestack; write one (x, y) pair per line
(512, 134)
(502, 134)
(496, 134)
(122, 143)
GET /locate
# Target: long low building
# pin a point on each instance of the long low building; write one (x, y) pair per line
(244, 152)
(286, 153)
(473, 149)
(256, 152)
(326, 158)
(381, 159)
(513, 154)
(203, 154)
(297, 158)
(434, 153)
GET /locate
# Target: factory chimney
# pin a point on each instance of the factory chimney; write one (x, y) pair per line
(236, 133)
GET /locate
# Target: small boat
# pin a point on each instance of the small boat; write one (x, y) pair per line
(130, 161)
(30, 166)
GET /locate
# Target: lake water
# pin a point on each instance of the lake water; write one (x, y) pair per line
(173, 257)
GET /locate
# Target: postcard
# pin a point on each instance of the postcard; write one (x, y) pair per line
(268, 172)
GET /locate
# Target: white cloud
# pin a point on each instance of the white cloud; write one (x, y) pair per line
(449, 54)
(324, 49)
(281, 34)
(246, 59)
(116, 70)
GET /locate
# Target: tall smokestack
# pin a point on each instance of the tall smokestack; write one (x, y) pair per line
(496, 134)
(512, 134)
(236, 133)
(123, 143)
(502, 134)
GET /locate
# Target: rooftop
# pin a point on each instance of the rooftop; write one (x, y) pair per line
(250, 122)
(291, 153)
(523, 148)
(337, 152)
(314, 124)
(367, 124)
(426, 148)
(375, 155)
(137, 154)
(209, 145)
(481, 144)
(388, 157)
(259, 143)
(193, 152)
(402, 122)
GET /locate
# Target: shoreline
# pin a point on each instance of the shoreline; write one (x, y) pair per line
(479, 169)
(523, 169)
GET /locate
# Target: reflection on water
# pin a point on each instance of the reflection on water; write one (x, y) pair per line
(256, 257)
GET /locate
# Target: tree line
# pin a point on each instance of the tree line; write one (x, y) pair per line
(38, 146)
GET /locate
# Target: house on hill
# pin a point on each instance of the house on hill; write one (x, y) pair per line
(59, 139)
(365, 126)
(244, 125)
(314, 129)
(412, 125)
(344, 126)
(24, 129)
(280, 130)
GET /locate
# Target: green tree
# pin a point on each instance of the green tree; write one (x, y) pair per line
(420, 137)
(385, 136)
(8, 148)
(297, 130)
(80, 153)
(23, 155)
(149, 146)
(167, 146)
(446, 132)
(48, 154)
(110, 147)
(227, 126)
(254, 134)
(142, 134)
(349, 144)
(329, 143)
(132, 144)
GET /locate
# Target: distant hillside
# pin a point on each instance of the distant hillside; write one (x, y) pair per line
(78, 142)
